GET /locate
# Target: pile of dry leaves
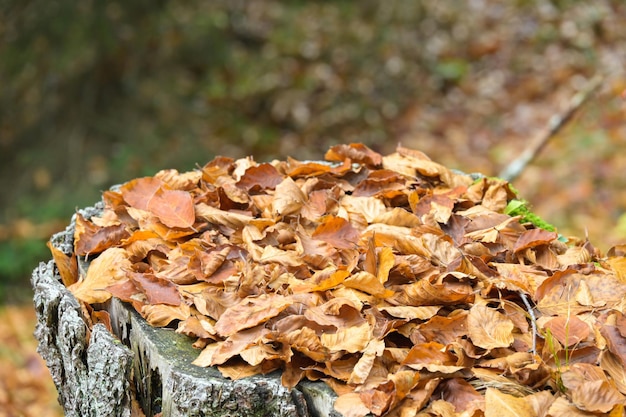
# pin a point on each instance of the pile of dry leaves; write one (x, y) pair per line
(400, 283)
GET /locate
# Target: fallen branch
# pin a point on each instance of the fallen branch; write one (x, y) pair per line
(555, 125)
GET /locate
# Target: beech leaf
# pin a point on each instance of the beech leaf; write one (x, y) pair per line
(250, 312)
(499, 404)
(107, 269)
(488, 328)
(174, 208)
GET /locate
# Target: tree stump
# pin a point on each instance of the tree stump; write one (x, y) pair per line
(101, 374)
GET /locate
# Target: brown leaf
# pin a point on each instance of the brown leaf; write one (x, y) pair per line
(427, 293)
(237, 343)
(90, 239)
(615, 340)
(516, 277)
(156, 290)
(590, 389)
(378, 400)
(361, 371)
(216, 216)
(337, 312)
(533, 238)
(128, 292)
(614, 367)
(356, 152)
(411, 313)
(187, 181)
(260, 177)
(250, 312)
(67, 265)
(459, 393)
(488, 328)
(306, 341)
(562, 407)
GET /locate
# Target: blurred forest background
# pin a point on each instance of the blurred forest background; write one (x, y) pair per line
(96, 93)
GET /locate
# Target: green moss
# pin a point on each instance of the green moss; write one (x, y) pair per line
(518, 207)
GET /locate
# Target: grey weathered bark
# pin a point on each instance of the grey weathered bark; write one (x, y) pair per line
(96, 372)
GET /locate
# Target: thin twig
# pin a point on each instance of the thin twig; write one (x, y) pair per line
(533, 321)
(555, 124)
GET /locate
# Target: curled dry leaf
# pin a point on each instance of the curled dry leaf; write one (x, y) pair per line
(90, 239)
(488, 328)
(403, 283)
(250, 312)
(107, 269)
(66, 264)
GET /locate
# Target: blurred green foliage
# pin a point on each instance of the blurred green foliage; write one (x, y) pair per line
(95, 93)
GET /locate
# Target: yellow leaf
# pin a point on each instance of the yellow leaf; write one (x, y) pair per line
(107, 269)
(351, 405)
(498, 404)
(386, 261)
(410, 312)
(351, 339)
(160, 315)
(368, 283)
(363, 367)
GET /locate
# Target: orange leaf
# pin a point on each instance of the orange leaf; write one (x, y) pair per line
(250, 312)
(569, 331)
(260, 177)
(174, 208)
(357, 152)
(431, 356)
(351, 405)
(138, 192)
(368, 283)
(157, 290)
(67, 265)
(107, 269)
(338, 232)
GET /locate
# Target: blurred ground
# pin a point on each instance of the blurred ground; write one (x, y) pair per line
(26, 388)
(97, 93)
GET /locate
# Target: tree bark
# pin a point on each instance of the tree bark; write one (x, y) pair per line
(98, 373)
